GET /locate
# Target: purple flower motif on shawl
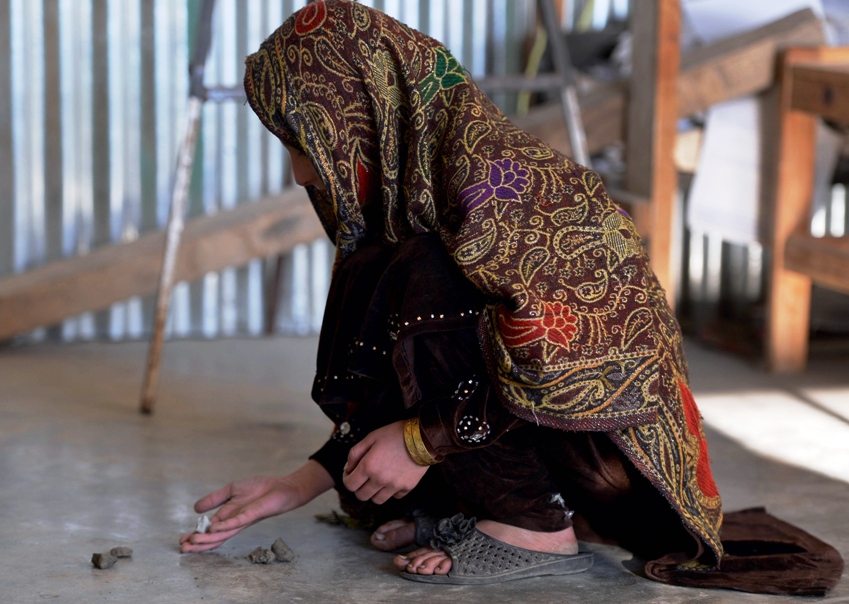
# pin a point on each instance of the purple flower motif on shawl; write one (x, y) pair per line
(507, 181)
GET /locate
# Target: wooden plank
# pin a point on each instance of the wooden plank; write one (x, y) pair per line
(602, 111)
(652, 129)
(737, 66)
(744, 64)
(822, 90)
(823, 259)
(112, 273)
(791, 157)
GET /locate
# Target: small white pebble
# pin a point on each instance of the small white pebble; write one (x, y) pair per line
(203, 524)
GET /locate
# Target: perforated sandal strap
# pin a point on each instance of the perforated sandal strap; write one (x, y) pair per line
(479, 555)
(425, 528)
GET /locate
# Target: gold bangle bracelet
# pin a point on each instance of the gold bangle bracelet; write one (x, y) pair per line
(415, 445)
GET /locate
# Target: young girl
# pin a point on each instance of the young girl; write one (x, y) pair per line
(495, 342)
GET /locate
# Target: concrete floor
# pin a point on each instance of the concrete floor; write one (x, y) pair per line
(81, 471)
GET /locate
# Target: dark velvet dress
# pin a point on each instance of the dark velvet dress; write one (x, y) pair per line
(496, 465)
(487, 284)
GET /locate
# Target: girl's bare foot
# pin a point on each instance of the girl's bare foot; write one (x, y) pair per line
(393, 535)
(429, 561)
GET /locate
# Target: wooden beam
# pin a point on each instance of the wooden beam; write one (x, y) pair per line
(652, 129)
(602, 111)
(737, 66)
(823, 259)
(822, 90)
(112, 273)
(744, 64)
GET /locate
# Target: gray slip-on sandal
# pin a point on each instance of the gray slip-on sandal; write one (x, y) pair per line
(477, 558)
(425, 528)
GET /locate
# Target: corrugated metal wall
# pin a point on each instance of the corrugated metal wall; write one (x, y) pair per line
(92, 102)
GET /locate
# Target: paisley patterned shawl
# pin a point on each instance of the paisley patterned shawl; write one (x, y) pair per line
(578, 334)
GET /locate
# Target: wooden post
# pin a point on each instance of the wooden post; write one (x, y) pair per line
(789, 293)
(652, 127)
(791, 183)
(731, 68)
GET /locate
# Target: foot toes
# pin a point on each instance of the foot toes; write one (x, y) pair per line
(427, 565)
(394, 534)
(444, 567)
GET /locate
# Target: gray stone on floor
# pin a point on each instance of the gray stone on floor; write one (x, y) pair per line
(82, 471)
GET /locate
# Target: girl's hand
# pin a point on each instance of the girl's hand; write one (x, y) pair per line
(379, 466)
(246, 502)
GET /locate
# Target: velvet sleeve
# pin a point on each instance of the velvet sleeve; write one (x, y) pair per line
(471, 418)
(332, 456)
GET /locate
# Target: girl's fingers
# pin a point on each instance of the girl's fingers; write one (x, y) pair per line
(355, 479)
(189, 548)
(206, 538)
(357, 452)
(383, 495)
(238, 522)
(367, 491)
(201, 542)
(198, 542)
(214, 499)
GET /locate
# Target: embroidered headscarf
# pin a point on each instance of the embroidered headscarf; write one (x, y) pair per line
(406, 143)
(577, 333)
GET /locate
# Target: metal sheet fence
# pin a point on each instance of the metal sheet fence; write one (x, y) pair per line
(92, 102)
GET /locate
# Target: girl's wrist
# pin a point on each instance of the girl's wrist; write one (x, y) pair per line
(310, 481)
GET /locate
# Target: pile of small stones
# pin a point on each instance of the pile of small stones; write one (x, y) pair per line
(107, 559)
(279, 551)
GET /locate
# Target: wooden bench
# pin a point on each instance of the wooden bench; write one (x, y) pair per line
(814, 83)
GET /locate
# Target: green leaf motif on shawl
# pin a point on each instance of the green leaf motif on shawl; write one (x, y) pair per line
(447, 73)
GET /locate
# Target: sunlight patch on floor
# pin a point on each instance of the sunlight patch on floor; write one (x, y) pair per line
(781, 426)
(835, 400)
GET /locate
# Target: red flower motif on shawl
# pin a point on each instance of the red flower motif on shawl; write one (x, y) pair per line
(311, 17)
(364, 182)
(507, 181)
(556, 324)
(704, 476)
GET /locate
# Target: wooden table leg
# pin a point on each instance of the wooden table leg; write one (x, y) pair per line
(652, 129)
(789, 293)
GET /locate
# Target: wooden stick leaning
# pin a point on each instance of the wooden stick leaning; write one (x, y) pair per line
(176, 219)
